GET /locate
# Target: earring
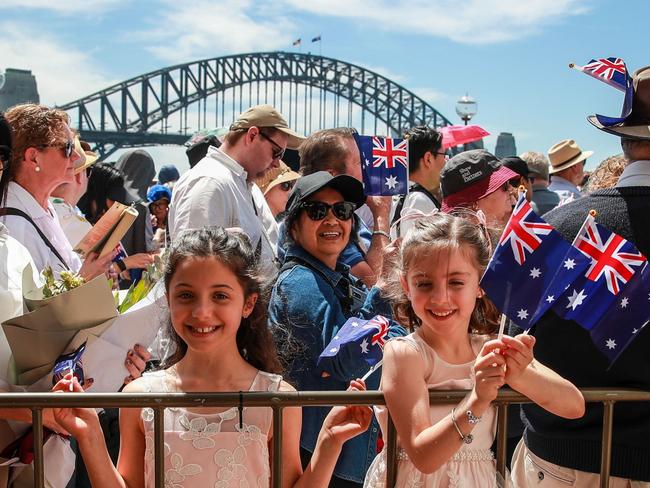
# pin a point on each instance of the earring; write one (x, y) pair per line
(37, 169)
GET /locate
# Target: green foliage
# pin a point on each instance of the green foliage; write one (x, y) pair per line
(68, 281)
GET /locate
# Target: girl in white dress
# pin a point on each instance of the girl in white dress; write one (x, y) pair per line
(218, 320)
(437, 294)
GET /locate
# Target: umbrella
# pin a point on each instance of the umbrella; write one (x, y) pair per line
(455, 135)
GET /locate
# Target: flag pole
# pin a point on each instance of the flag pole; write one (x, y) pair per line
(590, 217)
(372, 369)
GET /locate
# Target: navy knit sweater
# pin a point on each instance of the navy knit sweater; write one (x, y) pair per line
(567, 348)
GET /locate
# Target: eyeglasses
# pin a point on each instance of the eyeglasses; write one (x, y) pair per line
(287, 185)
(318, 210)
(278, 151)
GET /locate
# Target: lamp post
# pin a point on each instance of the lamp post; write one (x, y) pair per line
(466, 108)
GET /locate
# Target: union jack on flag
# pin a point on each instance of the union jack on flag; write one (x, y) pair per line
(382, 324)
(523, 234)
(608, 70)
(387, 154)
(384, 165)
(613, 256)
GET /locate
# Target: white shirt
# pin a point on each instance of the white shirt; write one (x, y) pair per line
(416, 202)
(18, 275)
(636, 173)
(47, 221)
(566, 190)
(215, 192)
(73, 223)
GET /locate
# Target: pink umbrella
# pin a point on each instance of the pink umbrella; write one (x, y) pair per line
(455, 135)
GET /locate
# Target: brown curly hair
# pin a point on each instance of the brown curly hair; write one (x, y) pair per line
(443, 233)
(254, 339)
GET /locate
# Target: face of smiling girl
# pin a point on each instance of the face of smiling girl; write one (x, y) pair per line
(207, 303)
(443, 286)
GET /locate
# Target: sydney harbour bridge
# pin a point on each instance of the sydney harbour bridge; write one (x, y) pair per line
(167, 105)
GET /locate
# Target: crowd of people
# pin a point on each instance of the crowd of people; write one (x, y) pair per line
(264, 264)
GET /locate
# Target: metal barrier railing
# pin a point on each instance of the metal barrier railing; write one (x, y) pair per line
(279, 400)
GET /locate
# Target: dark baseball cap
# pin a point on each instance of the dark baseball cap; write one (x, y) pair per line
(350, 188)
(516, 164)
(470, 176)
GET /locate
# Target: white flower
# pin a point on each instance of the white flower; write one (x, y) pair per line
(178, 472)
(248, 434)
(199, 431)
(231, 467)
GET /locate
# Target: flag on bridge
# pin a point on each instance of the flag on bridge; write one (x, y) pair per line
(357, 341)
(316, 39)
(614, 263)
(384, 165)
(531, 267)
(297, 42)
(613, 72)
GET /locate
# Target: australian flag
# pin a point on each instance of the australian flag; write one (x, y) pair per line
(531, 267)
(614, 262)
(613, 72)
(384, 164)
(625, 318)
(357, 341)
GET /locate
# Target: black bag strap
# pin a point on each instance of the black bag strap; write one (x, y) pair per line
(19, 213)
(414, 187)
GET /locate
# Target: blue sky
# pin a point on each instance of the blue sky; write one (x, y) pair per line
(511, 55)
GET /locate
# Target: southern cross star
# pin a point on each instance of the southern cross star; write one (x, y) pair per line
(624, 302)
(550, 298)
(611, 344)
(391, 182)
(522, 314)
(576, 299)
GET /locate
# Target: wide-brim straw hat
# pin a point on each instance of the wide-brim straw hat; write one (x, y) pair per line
(565, 154)
(275, 177)
(87, 157)
(637, 124)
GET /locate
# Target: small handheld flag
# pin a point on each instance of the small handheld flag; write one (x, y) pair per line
(531, 267)
(384, 165)
(69, 363)
(359, 342)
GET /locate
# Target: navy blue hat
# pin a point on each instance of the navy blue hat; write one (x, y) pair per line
(168, 173)
(156, 192)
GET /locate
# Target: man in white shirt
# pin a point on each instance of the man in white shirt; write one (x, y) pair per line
(220, 189)
(567, 169)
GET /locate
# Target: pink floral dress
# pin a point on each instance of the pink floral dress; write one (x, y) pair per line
(210, 449)
(473, 465)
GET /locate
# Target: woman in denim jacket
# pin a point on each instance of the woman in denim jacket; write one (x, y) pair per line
(313, 297)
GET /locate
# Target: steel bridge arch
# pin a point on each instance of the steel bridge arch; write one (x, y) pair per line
(123, 114)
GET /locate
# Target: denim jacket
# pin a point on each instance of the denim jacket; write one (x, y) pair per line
(305, 312)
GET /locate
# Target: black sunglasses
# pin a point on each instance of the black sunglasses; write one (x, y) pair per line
(67, 147)
(318, 210)
(278, 152)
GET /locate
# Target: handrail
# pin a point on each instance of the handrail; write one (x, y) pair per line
(279, 400)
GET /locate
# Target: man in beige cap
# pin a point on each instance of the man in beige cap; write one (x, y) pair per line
(220, 189)
(66, 195)
(567, 169)
(557, 452)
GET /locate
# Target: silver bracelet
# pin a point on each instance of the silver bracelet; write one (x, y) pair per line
(381, 233)
(467, 439)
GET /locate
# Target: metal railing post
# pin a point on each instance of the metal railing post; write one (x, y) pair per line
(39, 464)
(606, 448)
(502, 438)
(159, 445)
(276, 471)
(391, 452)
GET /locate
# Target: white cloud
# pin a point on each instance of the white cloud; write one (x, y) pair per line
(68, 7)
(466, 21)
(62, 73)
(207, 28)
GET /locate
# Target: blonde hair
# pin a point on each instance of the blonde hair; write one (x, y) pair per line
(435, 234)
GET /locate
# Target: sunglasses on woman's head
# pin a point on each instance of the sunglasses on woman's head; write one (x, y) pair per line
(318, 210)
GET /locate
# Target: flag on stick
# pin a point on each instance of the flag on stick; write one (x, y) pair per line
(297, 42)
(384, 165)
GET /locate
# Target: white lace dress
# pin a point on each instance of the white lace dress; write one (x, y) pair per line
(210, 449)
(473, 465)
